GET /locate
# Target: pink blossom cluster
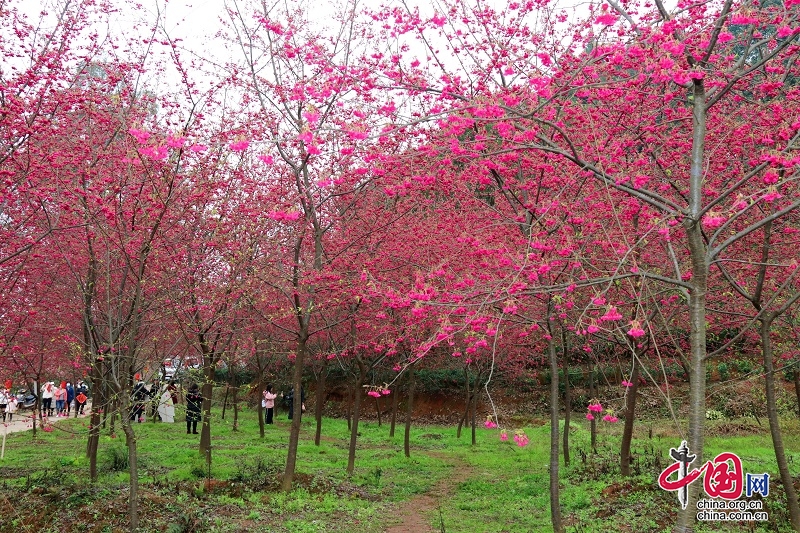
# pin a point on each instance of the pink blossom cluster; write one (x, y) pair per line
(611, 314)
(239, 146)
(597, 407)
(521, 439)
(636, 330)
(490, 424)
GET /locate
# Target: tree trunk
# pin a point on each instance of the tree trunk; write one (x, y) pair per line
(225, 399)
(235, 400)
(33, 420)
(555, 506)
(774, 425)
(94, 419)
(466, 404)
(627, 431)
(593, 422)
(133, 469)
(260, 409)
(567, 399)
(351, 456)
(475, 391)
(697, 302)
(297, 408)
(409, 410)
(797, 386)
(349, 408)
(205, 433)
(395, 404)
(320, 403)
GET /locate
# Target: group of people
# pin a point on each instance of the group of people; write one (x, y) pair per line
(162, 399)
(8, 404)
(65, 396)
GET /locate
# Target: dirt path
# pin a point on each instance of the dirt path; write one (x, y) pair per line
(22, 420)
(414, 514)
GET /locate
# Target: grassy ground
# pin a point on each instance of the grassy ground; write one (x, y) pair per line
(493, 486)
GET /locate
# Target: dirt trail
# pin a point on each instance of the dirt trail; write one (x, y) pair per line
(414, 514)
(22, 420)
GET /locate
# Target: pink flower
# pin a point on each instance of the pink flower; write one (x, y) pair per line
(266, 159)
(374, 394)
(610, 418)
(175, 142)
(611, 314)
(139, 135)
(636, 330)
(521, 439)
(357, 135)
(503, 436)
(438, 20)
(386, 392)
(489, 424)
(282, 216)
(311, 116)
(154, 152)
(239, 146)
(606, 19)
(725, 37)
(713, 220)
(589, 416)
(743, 19)
(592, 328)
(198, 148)
(596, 407)
(626, 383)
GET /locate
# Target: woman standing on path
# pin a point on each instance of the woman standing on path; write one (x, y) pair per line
(193, 402)
(4, 399)
(47, 399)
(11, 408)
(61, 398)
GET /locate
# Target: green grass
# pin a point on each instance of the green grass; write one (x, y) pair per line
(493, 486)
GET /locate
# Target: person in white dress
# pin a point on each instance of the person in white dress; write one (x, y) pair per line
(166, 408)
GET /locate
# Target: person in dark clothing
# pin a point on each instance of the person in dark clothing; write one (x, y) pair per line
(290, 400)
(139, 397)
(81, 395)
(70, 397)
(193, 402)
